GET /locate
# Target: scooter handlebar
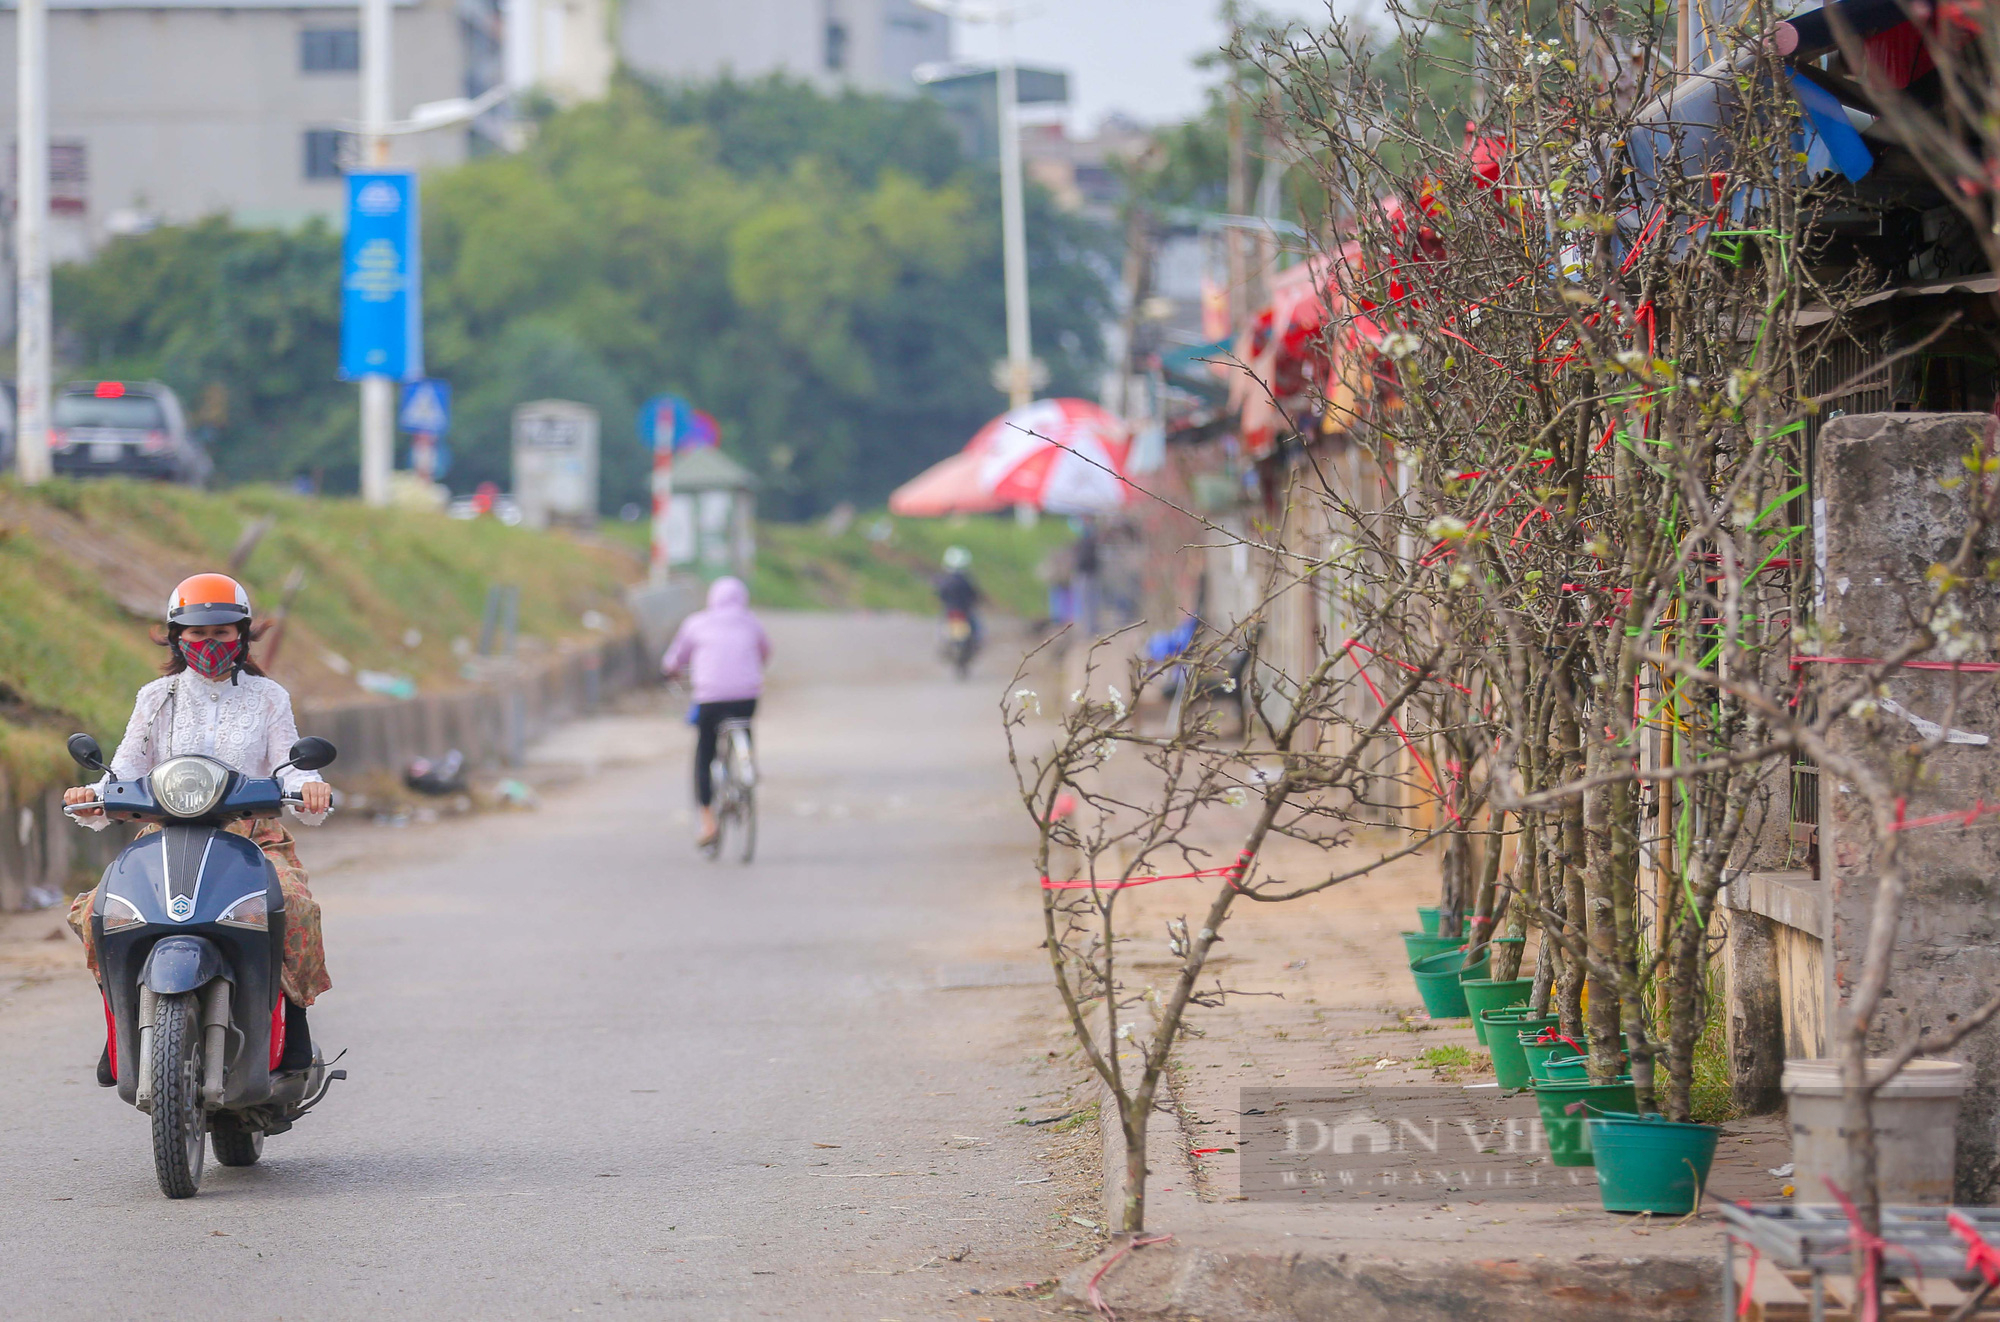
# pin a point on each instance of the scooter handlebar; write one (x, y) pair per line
(95, 807)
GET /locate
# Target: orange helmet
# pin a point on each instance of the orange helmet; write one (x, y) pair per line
(209, 599)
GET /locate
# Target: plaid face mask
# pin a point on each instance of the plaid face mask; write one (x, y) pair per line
(211, 658)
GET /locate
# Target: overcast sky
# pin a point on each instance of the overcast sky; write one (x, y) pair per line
(1130, 55)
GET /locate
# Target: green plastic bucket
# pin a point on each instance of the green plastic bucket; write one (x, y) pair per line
(1539, 1053)
(1566, 1067)
(1504, 1029)
(1569, 1137)
(1416, 945)
(1437, 977)
(1483, 994)
(1649, 1163)
(1427, 918)
(1536, 1052)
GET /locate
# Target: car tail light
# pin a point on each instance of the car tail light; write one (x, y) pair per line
(110, 390)
(155, 442)
(59, 439)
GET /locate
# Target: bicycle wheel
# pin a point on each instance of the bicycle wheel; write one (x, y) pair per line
(746, 824)
(718, 774)
(743, 780)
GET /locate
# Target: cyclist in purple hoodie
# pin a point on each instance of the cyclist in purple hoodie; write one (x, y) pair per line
(723, 651)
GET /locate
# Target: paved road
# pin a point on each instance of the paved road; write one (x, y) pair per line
(595, 1074)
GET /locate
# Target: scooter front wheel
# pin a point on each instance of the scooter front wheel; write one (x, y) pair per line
(177, 1115)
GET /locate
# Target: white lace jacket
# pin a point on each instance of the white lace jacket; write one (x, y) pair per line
(246, 725)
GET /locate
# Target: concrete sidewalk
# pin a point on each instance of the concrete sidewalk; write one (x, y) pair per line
(1322, 999)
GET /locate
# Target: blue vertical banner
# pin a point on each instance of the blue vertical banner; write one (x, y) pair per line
(381, 280)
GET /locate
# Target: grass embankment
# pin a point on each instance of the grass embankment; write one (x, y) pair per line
(884, 563)
(879, 562)
(85, 568)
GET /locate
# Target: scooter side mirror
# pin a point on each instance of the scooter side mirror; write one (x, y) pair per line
(84, 750)
(311, 753)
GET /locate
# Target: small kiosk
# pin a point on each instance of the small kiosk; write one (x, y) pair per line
(712, 518)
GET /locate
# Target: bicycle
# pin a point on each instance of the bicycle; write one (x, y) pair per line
(733, 774)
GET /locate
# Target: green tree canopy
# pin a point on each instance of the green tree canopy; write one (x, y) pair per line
(820, 272)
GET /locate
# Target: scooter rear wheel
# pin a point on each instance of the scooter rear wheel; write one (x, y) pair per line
(235, 1145)
(178, 1128)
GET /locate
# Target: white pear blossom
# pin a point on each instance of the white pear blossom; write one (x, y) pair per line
(1955, 642)
(1445, 528)
(1400, 345)
(1029, 700)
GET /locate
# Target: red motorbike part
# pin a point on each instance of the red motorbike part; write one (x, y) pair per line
(277, 1034)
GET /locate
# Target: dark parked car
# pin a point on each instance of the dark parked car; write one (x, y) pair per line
(124, 429)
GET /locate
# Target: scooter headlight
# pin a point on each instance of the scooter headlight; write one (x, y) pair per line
(251, 911)
(189, 786)
(119, 913)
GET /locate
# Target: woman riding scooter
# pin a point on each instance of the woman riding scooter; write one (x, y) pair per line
(215, 701)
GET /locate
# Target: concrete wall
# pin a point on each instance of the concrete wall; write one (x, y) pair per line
(1892, 493)
(491, 724)
(1776, 980)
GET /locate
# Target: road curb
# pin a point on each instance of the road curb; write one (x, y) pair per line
(1193, 1277)
(1227, 1276)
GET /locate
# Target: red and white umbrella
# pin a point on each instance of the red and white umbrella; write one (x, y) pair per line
(948, 487)
(1062, 456)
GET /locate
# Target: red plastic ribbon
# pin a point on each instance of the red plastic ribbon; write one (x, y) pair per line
(1553, 1035)
(1104, 1310)
(1872, 1248)
(1978, 810)
(1980, 1256)
(1397, 726)
(1749, 1284)
(1969, 667)
(1233, 872)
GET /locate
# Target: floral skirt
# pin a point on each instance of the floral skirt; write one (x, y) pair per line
(304, 975)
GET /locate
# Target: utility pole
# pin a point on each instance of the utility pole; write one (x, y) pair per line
(1020, 369)
(1013, 225)
(522, 25)
(378, 392)
(1238, 184)
(31, 221)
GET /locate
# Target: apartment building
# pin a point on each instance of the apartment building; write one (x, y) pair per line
(172, 110)
(869, 45)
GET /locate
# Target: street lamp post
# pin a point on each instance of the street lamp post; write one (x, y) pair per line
(1013, 224)
(31, 219)
(378, 392)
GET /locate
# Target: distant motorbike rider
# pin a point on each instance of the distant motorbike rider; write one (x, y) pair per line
(214, 701)
(957, 593)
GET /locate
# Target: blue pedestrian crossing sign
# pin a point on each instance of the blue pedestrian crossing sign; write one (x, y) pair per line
(426, 407)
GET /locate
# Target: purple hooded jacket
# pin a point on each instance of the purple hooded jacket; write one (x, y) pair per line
(723, 649)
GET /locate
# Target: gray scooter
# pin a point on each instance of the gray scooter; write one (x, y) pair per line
(189, 924)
